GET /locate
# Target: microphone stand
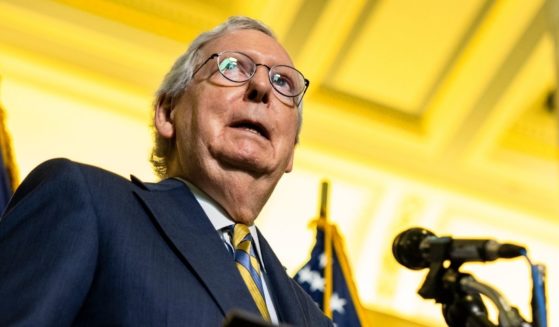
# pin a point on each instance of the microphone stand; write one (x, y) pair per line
(459, 294)
(508, 316)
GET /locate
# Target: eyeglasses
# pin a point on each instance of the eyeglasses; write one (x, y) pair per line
(238, 67)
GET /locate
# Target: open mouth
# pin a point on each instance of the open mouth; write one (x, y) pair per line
(252, 127)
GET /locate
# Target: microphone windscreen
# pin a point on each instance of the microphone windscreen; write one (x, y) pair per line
(406, 248)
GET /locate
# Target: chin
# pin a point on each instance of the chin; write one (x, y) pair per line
(251, 164)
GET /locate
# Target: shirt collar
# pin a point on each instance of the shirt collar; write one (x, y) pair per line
(217, 215)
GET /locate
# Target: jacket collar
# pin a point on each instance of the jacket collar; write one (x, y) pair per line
(287, 303)
(184, 224)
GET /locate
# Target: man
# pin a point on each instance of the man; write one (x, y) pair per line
(82, 246)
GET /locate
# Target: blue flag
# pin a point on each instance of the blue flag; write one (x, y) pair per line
(326, 277)
(5, 185)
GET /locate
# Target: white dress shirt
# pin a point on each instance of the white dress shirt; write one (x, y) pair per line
(220, 220)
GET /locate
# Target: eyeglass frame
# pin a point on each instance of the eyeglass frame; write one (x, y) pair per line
(217, 54)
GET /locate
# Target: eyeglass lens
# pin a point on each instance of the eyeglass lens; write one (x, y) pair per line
(238, 67)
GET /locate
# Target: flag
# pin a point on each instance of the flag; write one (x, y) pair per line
(8, 172)
(327, 278)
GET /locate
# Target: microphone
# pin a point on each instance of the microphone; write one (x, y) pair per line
(414, 249)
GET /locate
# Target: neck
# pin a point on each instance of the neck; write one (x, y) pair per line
(239, 193)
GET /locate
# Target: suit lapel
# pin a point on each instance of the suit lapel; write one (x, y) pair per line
(286, 300)
(183, 222)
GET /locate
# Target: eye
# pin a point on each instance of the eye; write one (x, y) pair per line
(228, 64)
(282, 83)
(236, 67)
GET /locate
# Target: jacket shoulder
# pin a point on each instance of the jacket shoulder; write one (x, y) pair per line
(65, 168)
(62, 176)
(62, 168)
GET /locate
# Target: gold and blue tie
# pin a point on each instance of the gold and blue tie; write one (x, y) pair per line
(249, 267)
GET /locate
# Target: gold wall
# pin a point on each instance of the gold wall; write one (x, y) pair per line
(421, 113)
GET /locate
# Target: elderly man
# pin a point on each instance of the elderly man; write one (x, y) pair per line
(82, 246)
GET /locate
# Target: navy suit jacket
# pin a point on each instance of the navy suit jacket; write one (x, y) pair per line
(82, 246)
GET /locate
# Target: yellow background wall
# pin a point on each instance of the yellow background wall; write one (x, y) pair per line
(446, 129)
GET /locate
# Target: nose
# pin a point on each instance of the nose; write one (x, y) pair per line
(259, 88)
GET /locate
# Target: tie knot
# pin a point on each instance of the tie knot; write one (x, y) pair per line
(241, 234)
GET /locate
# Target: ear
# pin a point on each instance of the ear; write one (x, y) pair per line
(163, 119)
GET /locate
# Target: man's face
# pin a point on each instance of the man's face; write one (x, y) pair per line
(221, 126)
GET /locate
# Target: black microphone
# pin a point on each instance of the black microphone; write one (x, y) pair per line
(413, 248)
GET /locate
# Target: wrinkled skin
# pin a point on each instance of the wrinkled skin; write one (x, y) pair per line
(233, 141)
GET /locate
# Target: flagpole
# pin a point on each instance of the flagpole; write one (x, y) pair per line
(323, 210)
(323, 220)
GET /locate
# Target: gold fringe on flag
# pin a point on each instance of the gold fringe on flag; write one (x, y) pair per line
(7, 154)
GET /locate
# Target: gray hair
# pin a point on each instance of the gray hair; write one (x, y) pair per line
(177, 79)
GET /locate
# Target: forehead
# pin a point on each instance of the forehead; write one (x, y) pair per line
(259, 46)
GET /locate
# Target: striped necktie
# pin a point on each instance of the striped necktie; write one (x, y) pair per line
(249, 267)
